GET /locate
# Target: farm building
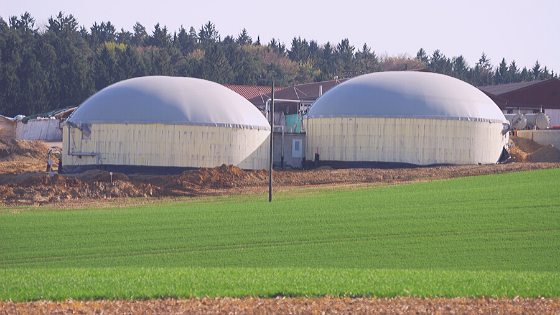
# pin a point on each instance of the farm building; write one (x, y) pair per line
(529, 97)
(290, 104)
(44, 126)
(405, 117)
(165, 125)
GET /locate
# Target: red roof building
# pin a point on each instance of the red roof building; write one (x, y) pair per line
(531, 95)
(250, 91)
(528, 95)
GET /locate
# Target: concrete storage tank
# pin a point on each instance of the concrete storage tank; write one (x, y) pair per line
(165, 124)
(406, 117)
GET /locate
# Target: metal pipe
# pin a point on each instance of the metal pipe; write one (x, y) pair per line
(87, 154)
(68, 139)
(70, 153)
(267, 104)
(282, 143)
(271, 145)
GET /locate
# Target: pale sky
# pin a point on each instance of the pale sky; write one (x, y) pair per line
(524, 31)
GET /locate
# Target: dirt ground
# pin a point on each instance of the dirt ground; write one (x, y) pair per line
(291, 306)
(25, 182)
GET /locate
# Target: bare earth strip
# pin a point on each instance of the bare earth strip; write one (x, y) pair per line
(291, 306)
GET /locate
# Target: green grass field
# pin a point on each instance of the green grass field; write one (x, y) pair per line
(480, 236)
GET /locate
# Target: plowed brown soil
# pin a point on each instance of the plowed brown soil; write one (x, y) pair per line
(23, 181)
(291, 306)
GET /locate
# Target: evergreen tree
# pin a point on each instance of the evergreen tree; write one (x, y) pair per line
(64, 65)
(299, 51)
(33, 81)
(160, 37)
(367, 60)
(9, 80)
(502, 74)
(345, 57)
(161, 64)
(216, 66)
(208, 34)
(65, 27)
(483, 69)
(185, 41)
(130, 63)
(513, 72)
(525, 75)
(459, 68)
(105, 69)
(140, 35)
(243, 38)
(439, 63)
(277, 47)
(124, 37)
(422, 56)
(536, 70)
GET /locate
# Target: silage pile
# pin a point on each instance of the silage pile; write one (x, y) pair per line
(18, 156)
(525, 150)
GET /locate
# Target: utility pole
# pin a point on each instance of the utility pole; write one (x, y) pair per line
(271, 144)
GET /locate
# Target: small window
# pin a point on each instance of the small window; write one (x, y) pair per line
(296, 148)
(86, 132)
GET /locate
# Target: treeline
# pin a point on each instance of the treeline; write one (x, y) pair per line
(63, 64)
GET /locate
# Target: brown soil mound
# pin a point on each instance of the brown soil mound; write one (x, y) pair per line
(547, 153)
(525, 145)
(18, 156)
(14, 149)
(32, 186)
(92, 176)
(249, 305)
(92, 186)
(525, 150)
(224, 176)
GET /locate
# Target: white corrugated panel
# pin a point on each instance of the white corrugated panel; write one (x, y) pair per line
(405, 140)
(168, 146)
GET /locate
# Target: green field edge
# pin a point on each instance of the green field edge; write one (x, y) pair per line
(24, 285)
(279, 193)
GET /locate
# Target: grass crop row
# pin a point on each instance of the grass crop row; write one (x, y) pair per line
(488, 226)
(151, 283)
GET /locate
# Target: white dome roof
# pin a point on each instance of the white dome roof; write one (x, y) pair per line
(407, 94)
(169, 100)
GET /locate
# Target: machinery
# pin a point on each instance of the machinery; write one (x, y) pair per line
(53, 152)
(522, 121)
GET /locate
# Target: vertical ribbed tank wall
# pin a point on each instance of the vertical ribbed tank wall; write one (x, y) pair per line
(159, 145)
(405, 140)
(406, 117)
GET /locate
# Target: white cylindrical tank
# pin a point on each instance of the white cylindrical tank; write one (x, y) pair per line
(406, 117)
(517, 121)
(165, 124)
(538, 120)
